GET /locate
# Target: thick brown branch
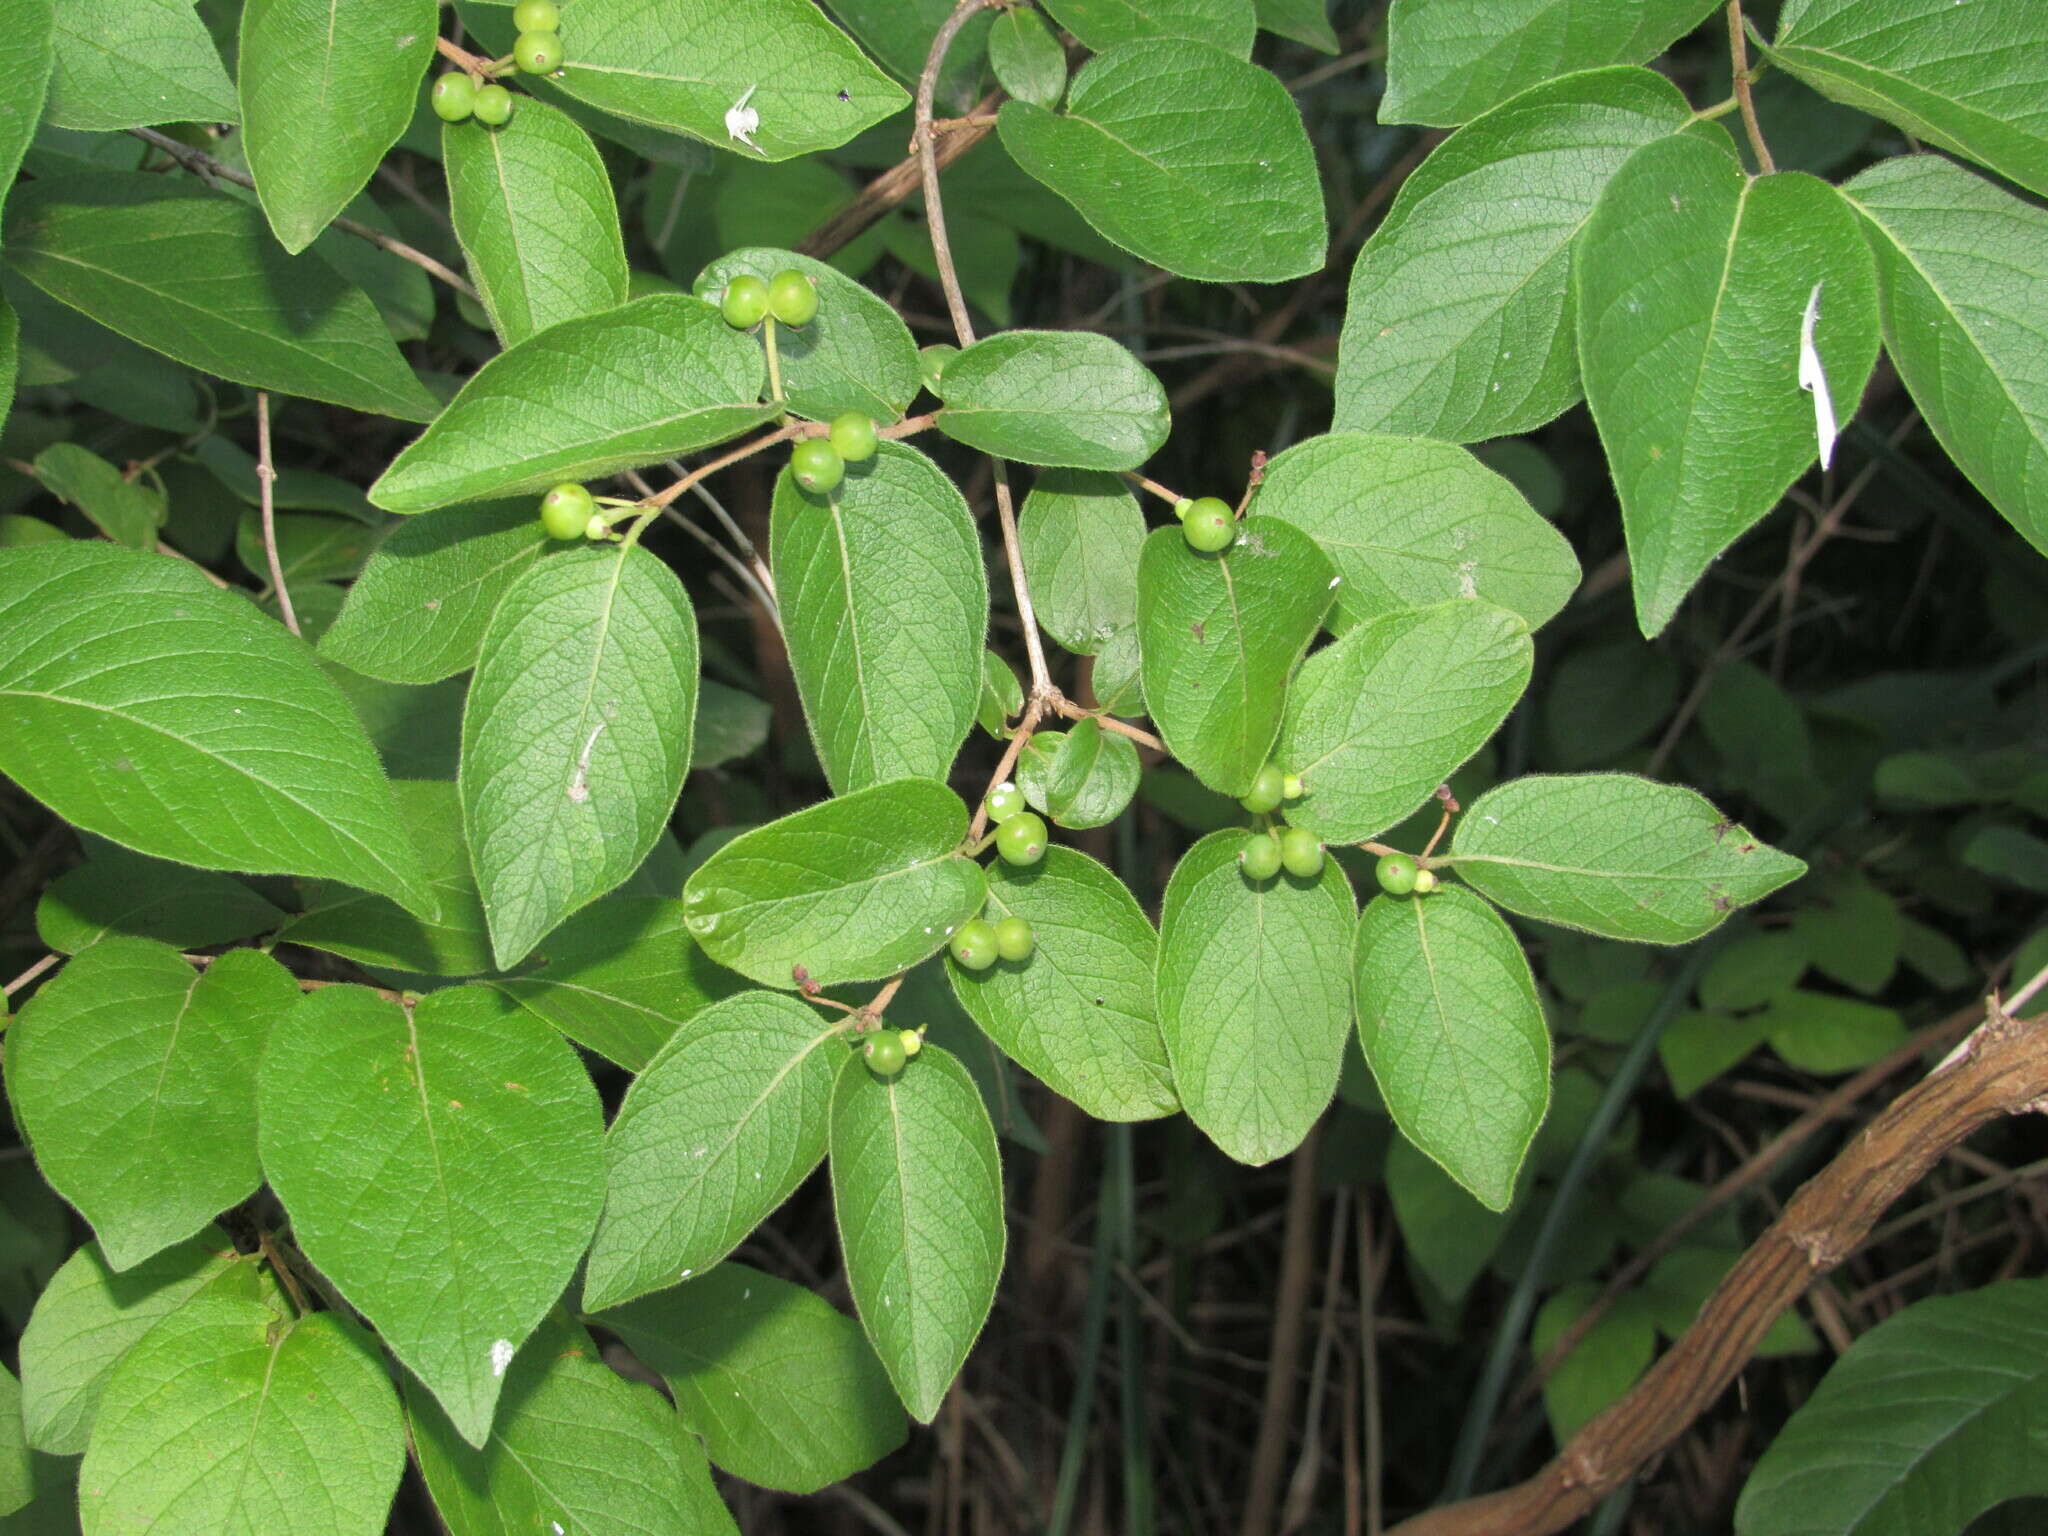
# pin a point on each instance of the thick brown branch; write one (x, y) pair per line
(2001, 1070)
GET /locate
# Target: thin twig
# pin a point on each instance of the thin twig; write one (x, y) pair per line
(1290, 1309)
(1738, 53)
(266, 479)
(1066, 707)
(890, 188)
(31, 973)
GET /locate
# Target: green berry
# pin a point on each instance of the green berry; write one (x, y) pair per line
(931, 363)
(745, 302)
(1209, 526)
(536, 16)
(1265, 793)
(1291, 786)
(493, 105)
(566, 511)
(1014, 939)
(1004, 801)
(1397, 874)
(1301, 853)
(597, 527)
(853, 434)
(538, 53)
(885, 1053)
(792, 297)
(1208, 506)
(1021, 839)
(453, 96)
(1425, 881)
(974, 944)
(816, 466)
(1260, 856)
(913, 1041)
(1183, 507)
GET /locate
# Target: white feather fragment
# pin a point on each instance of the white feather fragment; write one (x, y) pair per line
(1814, 380)
(741, 120)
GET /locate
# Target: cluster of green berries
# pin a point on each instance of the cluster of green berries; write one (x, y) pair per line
(1020, 833)
(886, 1050)
(456, 96)
(569, 511)
(1207, 522)
(790, 296)
(978, 943)
(1399, 875)
(818, 464)
(1269, 850)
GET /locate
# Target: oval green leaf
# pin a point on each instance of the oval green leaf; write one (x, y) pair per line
(1080, 532)
(131, 63)
(1071, 399)
(1080, 778)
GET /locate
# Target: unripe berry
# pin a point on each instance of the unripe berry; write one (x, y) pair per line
(597, 527)
(792, 297)
(1396, 873)
(1021, 839)
(1291, 786)
(913, 1041)
(1004, 801)
(1425, 881)
(538, 53)
(974, 944)
(493, 105)
(853, 434)
(816, 466)
(1301, 853)
(1014, 939)
(453, 97)
(1208, 529)
(1264, 795)
(536, 16)
(566, 511)
(1259, 858)
(745, 302)
(1183, 507)
(884, 1052)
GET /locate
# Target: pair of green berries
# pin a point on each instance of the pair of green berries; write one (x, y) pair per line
(1294, 849)
(818, 464)
(570, 512)
(1269, 787)
(1400, 875)
(790, 296)
(1020, 834)
(538, 50)
(456, 97)
(978, 943)
(1207, 523)
(886, 1050)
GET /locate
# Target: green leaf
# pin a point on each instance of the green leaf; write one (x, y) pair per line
(128, 683)
(1615, 855)
(1460, 319)
(1028, 60)
(1080, 1014)
(884, 603)
(221, 1418)
(327, 88)
(1073, 399)
(575, 1445)
(917, 1184)
(1376, 721)
(1450, 60)
(1081, 533)
(88, 1317)
(1253, 999)
(584, 399)
(722, 1126)
(133, 1077)
(731, 725)
(1002, 696)
(1751, 970)
(418, 731)
(1306, 21)
(451, 940)
(855, 355)
(1602, 1366)
(1118, 681)
(1958, 1385)
(1408, 522)
(310, 550)
(1693, 282)
(418, 611)
(1961, 291)
(27, 55)
(443, 1166)
(1100, 25)
(783, 1386)
(1967, 77)
(1136, 152)
(682, 64)
(620, 977)
(1445, 1233)
(1821, 1033)
(851, 889)
(1851, 931)
(196, 275)
(1450, 1023)
(534, 211)
(124, 510)
(1600, 700)
(1220, 635)
(2008, 854)
(115, 891)
(1080, 778)
(899, 34)
(131, 63)
(576, 736)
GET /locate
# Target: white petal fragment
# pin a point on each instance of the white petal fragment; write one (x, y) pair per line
(1815, 381)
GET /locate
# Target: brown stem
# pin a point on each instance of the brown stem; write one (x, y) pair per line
(1066, 707)
(1290, 1309)
(1738, 53)
(266, 479)
(2001, 1070)
(1034, 711)
(894, 185)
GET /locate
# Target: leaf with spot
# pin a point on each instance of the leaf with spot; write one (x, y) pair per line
(576, 735)
(133, 1076)
(917, 1185)
(1080, 532)
(131, 63)
(1692, 284)
(533, 208)
(223, 1418)
(443, 1165)
(1454, 1033)
(1409, 522)
(784, 1387)
(1080, 778)
(1376, 721)
(589, 397)
(327, 86)
(1244, 963)
(884, 603)
(1615, 855)
(1071, 399)
(716, 1132)
(851, 889)
(1081, 1013)
(1220, 635)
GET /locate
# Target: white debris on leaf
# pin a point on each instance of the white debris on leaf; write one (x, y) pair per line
(1813, 380)
(741, 120)
(501, 1356)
